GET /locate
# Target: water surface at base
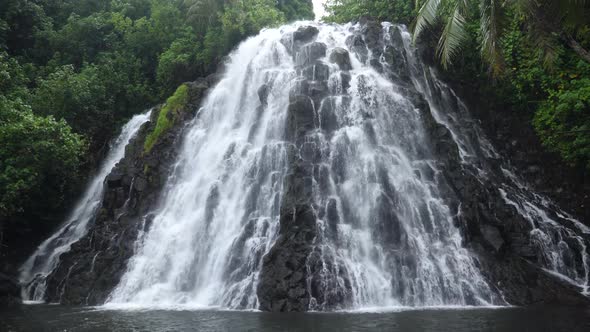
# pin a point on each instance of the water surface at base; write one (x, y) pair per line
(60, 318)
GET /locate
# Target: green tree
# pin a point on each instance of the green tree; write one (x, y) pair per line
(82, 99)
(563, 121)
(296, 9)
(39, 161)
(242, 18)
(179, 63)
(396, 11)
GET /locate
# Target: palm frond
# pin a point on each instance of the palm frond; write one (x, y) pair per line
(544, 22)
(426, 16)
(491, 26)
(452, 36)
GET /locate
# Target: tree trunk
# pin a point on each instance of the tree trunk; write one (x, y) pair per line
(574, 45)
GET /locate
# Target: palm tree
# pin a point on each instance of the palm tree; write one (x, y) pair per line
(552, 21)
(547, 22)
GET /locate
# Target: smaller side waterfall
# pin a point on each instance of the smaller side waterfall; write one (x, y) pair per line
(35, 270)
(556, 238)
(556, 241)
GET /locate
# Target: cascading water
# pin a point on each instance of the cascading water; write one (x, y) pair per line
(35, 270)
(329, 169)
(384, 234)
(557, 236)
(220, 211)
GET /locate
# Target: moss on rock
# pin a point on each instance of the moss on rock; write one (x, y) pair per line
(167, 114)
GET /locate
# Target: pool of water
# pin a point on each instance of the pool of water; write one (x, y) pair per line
(63, 318)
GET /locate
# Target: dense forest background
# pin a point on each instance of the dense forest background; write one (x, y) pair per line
(73, 71)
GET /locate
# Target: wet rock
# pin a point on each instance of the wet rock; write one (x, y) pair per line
(376, 64)
(316, 72)
(114, 179)
(211, 203)
(263, 92)
(310, 53)
(332, 216)
(141, 184)
(371, 32)
(345, 78)
(300, 117)
(317, 91)
(340, 57)
(395, 56)
(282, 285)
(358, 46)
(493, 237)
(328, 120)
(305, 33)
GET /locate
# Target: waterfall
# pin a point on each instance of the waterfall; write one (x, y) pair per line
(45, 259)
(384, 235)
(328, 169)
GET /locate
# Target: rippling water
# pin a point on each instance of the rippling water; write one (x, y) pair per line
(61, 318)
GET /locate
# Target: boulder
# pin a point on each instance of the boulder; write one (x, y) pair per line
(310, 53)
(305, 34)
(340, 57)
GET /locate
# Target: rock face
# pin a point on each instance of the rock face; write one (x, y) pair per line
(92, 268)
(284, 273)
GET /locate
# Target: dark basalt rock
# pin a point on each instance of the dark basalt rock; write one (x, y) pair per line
(358, 46)
(395, 56)
(316, 72)
(263, 92)
(305, 34)
(282, 284)
(300, 118)
(328, 120)
(310, 53)
(94, 265)
(341, 57)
